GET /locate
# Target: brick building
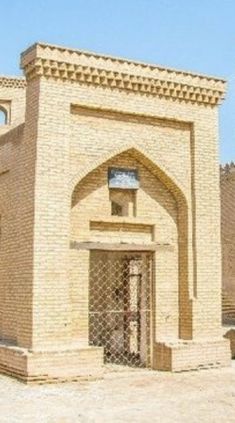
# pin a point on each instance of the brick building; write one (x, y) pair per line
(110, 217)
(227, 183)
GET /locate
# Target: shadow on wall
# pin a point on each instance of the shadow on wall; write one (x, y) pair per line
(176, 197)
(230, 334)
(156, 189)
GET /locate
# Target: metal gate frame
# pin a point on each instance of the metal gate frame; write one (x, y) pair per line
(147, 334)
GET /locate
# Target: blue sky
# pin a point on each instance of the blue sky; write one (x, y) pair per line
(196, 35)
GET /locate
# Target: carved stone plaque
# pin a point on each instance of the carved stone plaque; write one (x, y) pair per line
(123, 178)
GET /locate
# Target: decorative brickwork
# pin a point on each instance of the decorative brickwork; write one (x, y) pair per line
(86, 115)
(227, 182)
(12, 82)
(12, 101)
(123, 75)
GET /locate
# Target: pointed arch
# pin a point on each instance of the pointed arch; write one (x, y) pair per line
(142, 156)
(176, 189)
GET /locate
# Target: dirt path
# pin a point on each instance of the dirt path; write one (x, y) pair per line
(138, 396)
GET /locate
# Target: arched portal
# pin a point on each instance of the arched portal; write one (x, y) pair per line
(126, 234)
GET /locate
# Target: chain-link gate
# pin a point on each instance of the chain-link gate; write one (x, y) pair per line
(119, 306)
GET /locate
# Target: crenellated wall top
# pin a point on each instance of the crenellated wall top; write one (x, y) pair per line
(12, 82)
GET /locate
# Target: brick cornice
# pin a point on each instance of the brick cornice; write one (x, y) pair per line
(89, 68)
(12, 82)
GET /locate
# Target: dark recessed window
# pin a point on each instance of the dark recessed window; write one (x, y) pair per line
(123, 202)
(117, 209)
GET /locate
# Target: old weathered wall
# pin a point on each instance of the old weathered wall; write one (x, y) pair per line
(77, 148)
(17, 186)
(83, 113)
(227, 183)
(12, 101)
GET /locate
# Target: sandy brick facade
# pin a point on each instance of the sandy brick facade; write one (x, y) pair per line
(85, 114)
(12, 101)
(227, 182)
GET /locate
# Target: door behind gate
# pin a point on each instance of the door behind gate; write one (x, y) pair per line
(120, 306)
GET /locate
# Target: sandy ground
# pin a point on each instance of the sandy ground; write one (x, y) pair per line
(131, 396)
